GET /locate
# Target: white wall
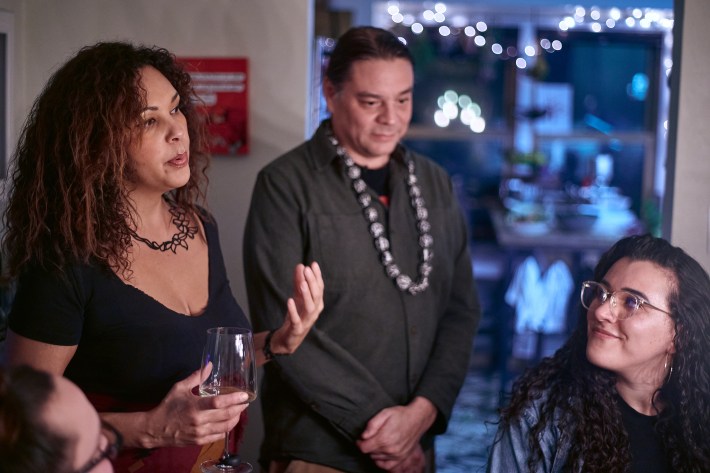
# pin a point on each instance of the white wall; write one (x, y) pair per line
(275, 35)
(687, 205)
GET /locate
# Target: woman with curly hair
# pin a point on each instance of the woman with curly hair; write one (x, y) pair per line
(630, 390)
(47, 424)
(119, 270)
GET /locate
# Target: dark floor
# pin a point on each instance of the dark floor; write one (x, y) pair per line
(464, 447)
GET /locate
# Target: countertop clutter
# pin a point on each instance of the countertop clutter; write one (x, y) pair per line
(591, 216)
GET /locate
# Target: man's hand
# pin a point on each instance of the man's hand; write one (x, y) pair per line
(392, 435)
(414, 462)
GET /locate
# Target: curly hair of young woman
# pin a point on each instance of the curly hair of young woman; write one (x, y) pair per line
(68, 199)
(579, 398)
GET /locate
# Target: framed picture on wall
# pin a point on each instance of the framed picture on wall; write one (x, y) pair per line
(222, 85)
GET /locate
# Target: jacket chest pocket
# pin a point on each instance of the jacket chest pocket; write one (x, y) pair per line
(344, 246)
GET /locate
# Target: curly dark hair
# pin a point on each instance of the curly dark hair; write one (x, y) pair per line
(26, 445)
(69, 200)
(581, 398)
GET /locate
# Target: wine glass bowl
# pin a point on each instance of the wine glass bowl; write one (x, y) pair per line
(228, 366)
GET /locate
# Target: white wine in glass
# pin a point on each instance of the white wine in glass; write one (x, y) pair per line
(229, 359)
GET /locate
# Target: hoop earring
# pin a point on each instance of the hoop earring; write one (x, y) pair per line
(665, 367)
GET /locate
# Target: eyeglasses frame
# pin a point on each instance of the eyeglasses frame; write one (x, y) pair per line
(109, 452)
(609, 296)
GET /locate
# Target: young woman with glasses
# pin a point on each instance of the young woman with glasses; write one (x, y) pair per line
(630, 390)
(47, 424)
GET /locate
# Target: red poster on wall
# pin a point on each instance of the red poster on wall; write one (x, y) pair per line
(221, 83)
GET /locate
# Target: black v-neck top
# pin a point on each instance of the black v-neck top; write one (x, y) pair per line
(131, 348)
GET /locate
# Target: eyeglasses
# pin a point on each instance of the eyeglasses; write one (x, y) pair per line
(110, 451)
(626, 304)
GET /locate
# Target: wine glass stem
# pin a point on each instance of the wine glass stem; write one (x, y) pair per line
(226, 454)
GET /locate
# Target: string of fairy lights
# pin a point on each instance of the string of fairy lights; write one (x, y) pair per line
(460, 19)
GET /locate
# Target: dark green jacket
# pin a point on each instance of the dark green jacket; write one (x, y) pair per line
(373, 346)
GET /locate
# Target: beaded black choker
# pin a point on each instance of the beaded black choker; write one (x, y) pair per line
(185, 231)
(377, 228)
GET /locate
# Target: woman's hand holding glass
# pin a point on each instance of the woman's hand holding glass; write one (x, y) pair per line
(183, 418)
(228, 366)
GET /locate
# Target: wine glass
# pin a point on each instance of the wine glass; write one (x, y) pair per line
(230, 360)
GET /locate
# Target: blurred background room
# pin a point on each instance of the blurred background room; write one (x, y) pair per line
(552, 119)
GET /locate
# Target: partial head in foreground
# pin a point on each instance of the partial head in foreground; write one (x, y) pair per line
(47, 424)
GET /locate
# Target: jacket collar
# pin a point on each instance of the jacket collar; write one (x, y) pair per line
(323, 152)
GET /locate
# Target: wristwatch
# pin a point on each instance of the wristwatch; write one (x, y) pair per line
(268, 354)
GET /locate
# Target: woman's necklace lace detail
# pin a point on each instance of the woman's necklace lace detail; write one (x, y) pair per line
(377, 228)
(184, 232)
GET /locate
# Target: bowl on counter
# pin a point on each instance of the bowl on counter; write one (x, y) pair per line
(533, 224)
(576, 218)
